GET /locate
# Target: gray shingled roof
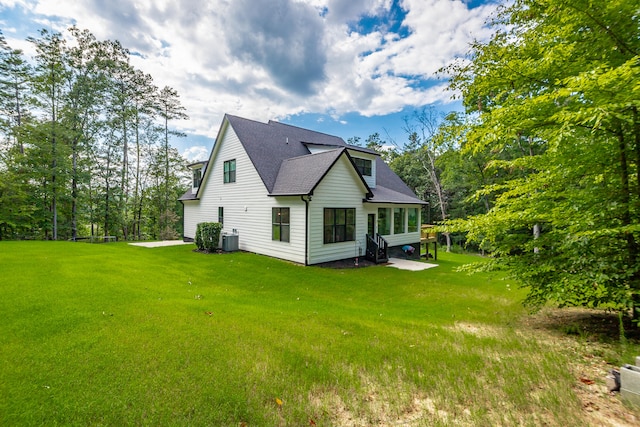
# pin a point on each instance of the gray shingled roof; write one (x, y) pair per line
(390, 188)
(188, 195)
(267, 145)
(301, 175)
(287, 167)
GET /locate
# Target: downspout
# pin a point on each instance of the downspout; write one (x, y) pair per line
(182, 203)
(306, 228)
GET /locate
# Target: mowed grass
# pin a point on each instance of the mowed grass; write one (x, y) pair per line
(111, 334)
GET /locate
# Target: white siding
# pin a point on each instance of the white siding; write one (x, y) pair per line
(247, 206)
(340, 188)
(192, 216)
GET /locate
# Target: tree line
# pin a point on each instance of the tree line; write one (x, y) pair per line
(542, 169)
(85, 143)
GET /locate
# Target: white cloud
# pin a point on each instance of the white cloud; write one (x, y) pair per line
(196, 153)
(294, 56)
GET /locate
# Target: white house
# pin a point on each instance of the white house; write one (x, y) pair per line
(300, 195)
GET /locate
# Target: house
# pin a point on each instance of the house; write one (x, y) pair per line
(300, 195)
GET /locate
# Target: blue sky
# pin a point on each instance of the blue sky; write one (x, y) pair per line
(344, 67)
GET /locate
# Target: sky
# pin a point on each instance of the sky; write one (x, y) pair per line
(349, 68)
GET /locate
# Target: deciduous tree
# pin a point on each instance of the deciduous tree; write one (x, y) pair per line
(556, 88)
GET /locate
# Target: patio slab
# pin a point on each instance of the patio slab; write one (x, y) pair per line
(405, 264)
(161, 243)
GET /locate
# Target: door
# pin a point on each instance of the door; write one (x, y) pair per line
(371, 224)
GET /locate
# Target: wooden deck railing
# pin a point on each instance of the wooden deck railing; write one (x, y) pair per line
(377, 249)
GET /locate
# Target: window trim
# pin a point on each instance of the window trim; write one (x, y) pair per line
(364, 166)
(339, 232)
(276, 213)
(229, 171)
(196, 180)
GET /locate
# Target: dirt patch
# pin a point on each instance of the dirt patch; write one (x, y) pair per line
(480, 331)
(376, 411)
(588, 334)
(594, 325)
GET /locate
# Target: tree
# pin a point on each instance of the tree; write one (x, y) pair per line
(82, 132)
(422, 129)
(81, 113)
(51, 73)
(144, 99)
(15, 73)
(551, 89)
(169, 108)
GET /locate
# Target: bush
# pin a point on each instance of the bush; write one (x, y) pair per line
(208, 236)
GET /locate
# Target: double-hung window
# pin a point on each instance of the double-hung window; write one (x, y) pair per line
(230, 171)
(280, 224)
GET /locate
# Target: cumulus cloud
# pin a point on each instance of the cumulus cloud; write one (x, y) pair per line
(196, 153)
(277, 58)
(283, 37)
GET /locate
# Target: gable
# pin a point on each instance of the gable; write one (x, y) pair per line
(301, 175)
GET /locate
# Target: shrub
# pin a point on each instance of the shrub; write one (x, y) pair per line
(208, 236)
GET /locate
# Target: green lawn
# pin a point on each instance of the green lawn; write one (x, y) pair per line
(111, 334)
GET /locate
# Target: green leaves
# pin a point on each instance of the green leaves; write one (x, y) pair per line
(556, 92)
(208, 236)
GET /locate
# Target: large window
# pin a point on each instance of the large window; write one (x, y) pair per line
(363, 165)
(384, 221)
(398, 220)
(339, 225)
(230, 171)
(280, 224)
(412, 220)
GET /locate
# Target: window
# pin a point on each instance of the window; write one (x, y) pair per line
(280, 224)
(363, 165)
(412, 220)
(230, 171)
(197, 177)
(384, 221)
(398, 220)
(339, 225)
(221, 215)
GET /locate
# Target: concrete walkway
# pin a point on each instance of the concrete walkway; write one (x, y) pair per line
(405, 264)
(161, 243)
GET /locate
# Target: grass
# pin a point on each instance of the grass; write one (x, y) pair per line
(112, 334)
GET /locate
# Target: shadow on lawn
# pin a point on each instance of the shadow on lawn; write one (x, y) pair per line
(594, 325)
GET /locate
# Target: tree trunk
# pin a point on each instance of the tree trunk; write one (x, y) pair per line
(74, 192)
(632, 248)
